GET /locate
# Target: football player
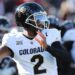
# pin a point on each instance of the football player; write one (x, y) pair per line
(8, 66)
(4, 26)
(36, 48)
(69, 43)
(67, 34)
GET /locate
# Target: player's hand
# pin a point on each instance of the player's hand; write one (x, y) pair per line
(41, 39)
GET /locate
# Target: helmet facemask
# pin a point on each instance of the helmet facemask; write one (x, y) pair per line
(38, 21)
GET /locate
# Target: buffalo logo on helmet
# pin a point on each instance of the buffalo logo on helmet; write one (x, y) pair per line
(22, 10)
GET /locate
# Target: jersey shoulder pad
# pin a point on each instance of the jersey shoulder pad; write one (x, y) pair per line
(52, 35)
(9, 37)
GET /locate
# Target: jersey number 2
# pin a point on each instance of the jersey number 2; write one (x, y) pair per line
(39, 63)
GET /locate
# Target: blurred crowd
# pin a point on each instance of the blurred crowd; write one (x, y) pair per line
(63, 9)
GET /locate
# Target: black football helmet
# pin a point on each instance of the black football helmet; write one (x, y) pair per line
(31, 15)
(67, 24)
(54, 22)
